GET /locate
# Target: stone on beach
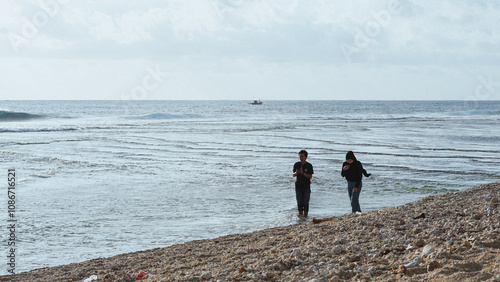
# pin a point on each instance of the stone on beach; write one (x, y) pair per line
(206, 275)
(414, 263)
(427, 250)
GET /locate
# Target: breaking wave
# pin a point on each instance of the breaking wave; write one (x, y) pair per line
(17, 116)
(20, 130)
(171, 116)
(476, 113)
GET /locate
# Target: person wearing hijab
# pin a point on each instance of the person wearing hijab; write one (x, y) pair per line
(353, 171)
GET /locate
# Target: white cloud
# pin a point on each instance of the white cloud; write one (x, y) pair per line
(222, 47)
(460, 28)
(127, 27)
(190, 18)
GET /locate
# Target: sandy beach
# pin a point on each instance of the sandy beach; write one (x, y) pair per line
(447, 237)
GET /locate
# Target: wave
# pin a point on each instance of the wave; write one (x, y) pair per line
(476, 113)
(17, 116)
(21, 130)
(170, 116)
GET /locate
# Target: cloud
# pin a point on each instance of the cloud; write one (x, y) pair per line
(445, 31)
(277, 30)
(289, 46)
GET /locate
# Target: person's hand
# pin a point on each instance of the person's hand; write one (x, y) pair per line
(301, 171)
(346, 167)
(368, 174)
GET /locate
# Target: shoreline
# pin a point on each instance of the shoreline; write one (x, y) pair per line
(445, 237)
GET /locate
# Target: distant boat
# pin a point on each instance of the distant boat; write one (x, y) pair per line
(256, 102)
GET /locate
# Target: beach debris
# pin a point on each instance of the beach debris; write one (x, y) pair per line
(495, 200)
(414, 263)
(206, 275)
(141, 275)
(91, 278)
(316, 221)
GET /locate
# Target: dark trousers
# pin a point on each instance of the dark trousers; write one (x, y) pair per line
(303, 194)
(354, 196)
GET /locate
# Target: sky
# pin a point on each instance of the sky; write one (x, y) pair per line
(250, 49)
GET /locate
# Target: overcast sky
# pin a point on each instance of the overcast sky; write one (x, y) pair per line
(250, 49)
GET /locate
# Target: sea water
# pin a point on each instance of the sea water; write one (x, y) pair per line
(100, 178)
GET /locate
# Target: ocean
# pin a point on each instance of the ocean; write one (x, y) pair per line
(100, 178)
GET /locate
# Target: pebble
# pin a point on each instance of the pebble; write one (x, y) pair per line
(478, 216)
(206, 275)
(428, 249)
(342, 241)
(414, 263)
(296, 253)
(419, 243)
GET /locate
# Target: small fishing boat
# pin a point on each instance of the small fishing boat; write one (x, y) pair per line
(256, 102)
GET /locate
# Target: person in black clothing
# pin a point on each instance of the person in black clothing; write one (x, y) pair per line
(353, 172)
(303, 171)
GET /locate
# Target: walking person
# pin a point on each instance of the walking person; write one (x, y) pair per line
(353, 171)
(303, 171)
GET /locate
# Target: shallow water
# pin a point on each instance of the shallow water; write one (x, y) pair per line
(99, 178)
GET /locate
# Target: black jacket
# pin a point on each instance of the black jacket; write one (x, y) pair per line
(355, 172)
